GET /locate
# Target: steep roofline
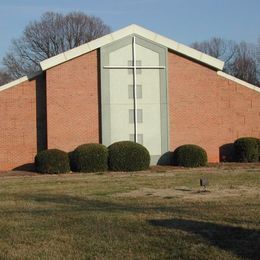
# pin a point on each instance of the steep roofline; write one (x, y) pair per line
(239, 81)
(129, 30)
(13, 83)
(19, 81)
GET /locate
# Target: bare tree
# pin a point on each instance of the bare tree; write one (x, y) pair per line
(240, 59)
(4, 77)
(244, 64)
(53, 34)
(258, 60)
(217, 47)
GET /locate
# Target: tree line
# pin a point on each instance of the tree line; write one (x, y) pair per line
(242, 60)
(55, 33)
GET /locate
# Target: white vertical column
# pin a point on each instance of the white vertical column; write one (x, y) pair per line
(135, 99)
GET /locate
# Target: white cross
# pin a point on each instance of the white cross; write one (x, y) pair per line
(134, 67)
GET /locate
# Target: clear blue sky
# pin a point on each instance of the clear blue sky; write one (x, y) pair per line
(182, 20)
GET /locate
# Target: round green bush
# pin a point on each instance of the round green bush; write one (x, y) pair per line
(247, 149)
(190, 155)
(89, 158)
(128, 156)
(52, 161)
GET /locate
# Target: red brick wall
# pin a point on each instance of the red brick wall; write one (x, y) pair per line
(204, 109)
(72, 103)
(207, 109)
(18, 144)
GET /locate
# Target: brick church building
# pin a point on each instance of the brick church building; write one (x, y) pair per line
(132, 84)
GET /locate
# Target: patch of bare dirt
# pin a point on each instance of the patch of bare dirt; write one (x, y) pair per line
(192, 194)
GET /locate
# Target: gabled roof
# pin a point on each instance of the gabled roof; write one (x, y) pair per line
(129, 30)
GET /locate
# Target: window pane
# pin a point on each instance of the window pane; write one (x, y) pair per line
(132, 116)
(139, 116)
(140, 138)
(138, 91)
(130, 63)
(130, 91)
(138, 63)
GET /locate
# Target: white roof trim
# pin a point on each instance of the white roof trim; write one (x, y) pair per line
(132, 29)
(13, 83)
(239, 81)
(20, 80)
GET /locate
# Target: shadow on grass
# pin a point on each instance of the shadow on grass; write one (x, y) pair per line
(56, 203)
(243, 242)
(240, 241)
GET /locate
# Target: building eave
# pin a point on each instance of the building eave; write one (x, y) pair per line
(19, 81)
(132, 30)
(129, 30)
(238, 81)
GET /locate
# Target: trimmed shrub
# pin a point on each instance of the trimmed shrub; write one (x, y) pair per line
(52, 161)
(128, 156)
(89, 158)
(190, 155)
(247, 149)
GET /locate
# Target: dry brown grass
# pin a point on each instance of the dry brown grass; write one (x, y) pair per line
(157, 214)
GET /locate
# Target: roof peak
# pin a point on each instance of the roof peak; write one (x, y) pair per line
(124, 32)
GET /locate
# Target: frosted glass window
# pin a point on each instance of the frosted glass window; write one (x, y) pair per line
(138, 63)
(140, 138)
(139, 92)
(132, 116)
(139, 116)
(131, 63)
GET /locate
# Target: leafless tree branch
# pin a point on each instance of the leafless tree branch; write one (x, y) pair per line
(241, 60)
(52, 34)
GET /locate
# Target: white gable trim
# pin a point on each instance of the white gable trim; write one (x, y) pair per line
(13, 83)
(132, 29)
(129, 30)
(239, 81)
(18, 81)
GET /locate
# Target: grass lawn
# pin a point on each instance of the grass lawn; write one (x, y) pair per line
(158, 214)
